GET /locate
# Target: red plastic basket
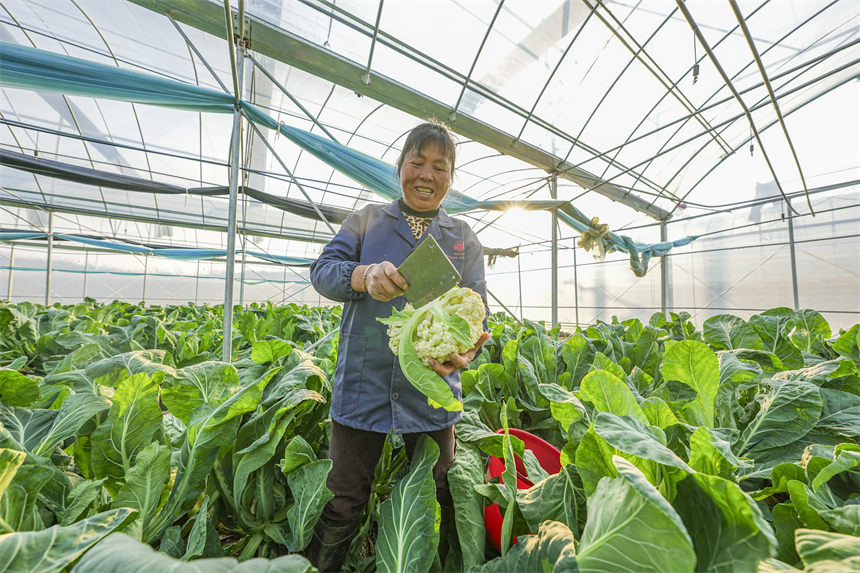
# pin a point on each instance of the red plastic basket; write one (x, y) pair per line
(549, 458)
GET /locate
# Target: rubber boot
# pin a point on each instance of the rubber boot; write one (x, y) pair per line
(330, 544)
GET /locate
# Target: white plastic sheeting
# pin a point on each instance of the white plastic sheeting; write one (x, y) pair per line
(605, 86)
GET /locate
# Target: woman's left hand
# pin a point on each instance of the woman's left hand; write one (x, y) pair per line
(458, 361)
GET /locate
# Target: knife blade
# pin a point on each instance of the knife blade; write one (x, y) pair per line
(429, 272)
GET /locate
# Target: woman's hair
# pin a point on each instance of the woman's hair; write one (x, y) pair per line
(432, 131)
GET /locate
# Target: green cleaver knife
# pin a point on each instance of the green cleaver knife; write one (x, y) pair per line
(429, 273)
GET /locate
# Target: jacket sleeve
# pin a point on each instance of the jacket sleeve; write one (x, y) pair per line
(331, 273)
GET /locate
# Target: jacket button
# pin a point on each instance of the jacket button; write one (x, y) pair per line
(395, 396)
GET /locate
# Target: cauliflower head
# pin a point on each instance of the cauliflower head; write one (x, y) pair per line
(438, 334)
(452, 323)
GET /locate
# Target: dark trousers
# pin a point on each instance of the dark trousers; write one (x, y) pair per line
(354, 455)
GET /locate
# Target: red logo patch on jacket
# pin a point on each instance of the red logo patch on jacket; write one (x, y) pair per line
(458, 246)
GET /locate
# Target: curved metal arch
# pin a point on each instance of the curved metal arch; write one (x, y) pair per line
(728, 34)
(22, 218)
(297, 52)
(483, 179)
(14, 135)
(672, 88)
(363, 27)
(727, 122)
(552, 74)
(798, 69)
(804, 104)
(496, 154)
(68, 105)
(545, 180)
(315, 121)
(133, 107)
(474, 60)
(742, 22)
(690, 116)
(353, 134)
(192, 50)
(762, 103)
(258, 66)
(529, 179)
(20, 147)
(606, 94)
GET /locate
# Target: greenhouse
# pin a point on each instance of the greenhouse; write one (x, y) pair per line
(660, 207)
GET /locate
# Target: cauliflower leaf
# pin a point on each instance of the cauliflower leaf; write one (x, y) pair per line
(453, 323)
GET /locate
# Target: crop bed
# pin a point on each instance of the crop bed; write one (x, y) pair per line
(126, 445)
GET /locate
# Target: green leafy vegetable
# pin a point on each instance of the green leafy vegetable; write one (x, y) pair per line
(559, 497)
(631, 527)
(52, 549)
(120, 553)
(728, 530)
(132, 421)
(695, 365)
(144, 483)
(609, 394)
(466, 471)
(821, 546)
(552, 549)
(307, 484)
(409, 520)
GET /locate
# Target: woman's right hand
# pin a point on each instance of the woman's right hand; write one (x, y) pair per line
(382, 281)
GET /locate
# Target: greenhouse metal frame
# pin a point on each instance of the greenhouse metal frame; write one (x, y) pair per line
(642, 114)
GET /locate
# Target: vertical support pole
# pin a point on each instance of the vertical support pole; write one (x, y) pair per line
(520, 281)
(227, 350)
(86, 273)
(50, 258)
(242, 274)
(145, 274)
(575, 284)
(11, 270)
(664, 271)
(366, 76)
(553, 188)
(197, 284)
(793, 260)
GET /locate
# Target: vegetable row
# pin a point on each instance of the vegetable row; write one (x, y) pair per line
(126, 443)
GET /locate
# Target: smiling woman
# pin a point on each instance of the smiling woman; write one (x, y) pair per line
(425, 178)
(372, 396)
(425, 166)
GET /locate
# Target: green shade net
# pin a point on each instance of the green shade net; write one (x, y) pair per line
(168, 253)
(13, 236)
(87, 176)
(125, 274)
(39, 70)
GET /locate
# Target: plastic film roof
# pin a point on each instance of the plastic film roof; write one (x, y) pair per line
(602, 93)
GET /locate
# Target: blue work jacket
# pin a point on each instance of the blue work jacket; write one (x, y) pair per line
(370, 391)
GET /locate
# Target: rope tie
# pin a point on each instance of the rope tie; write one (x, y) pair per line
(595, 238)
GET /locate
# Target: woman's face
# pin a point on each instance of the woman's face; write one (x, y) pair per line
(425, 177)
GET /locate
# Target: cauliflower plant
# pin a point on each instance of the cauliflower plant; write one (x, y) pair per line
(451, 323)
(433, 336)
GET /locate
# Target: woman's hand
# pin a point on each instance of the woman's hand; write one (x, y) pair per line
(382, 281)
(458, 361)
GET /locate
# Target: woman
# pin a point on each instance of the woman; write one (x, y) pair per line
(371, 396)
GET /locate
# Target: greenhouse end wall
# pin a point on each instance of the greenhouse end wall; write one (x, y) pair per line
(106, 277)
(739, 265)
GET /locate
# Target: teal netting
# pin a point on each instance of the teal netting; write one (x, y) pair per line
(176, 254)
(251, 282)
(30, 68)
